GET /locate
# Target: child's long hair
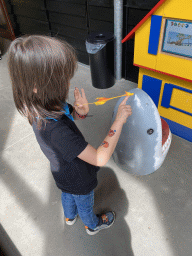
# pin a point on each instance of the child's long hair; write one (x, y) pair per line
(45, 64)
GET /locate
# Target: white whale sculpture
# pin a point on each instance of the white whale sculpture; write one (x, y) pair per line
(145, 138)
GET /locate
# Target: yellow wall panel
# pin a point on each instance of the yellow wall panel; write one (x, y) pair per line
(167, 63)
(160, 10)
(177, 66)
(182, 100)
(171, 114)
(166, 78)
(140, 78)
(176, 116)
(180, 9)
(141, 56)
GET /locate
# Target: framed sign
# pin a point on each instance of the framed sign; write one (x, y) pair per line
(178, 38)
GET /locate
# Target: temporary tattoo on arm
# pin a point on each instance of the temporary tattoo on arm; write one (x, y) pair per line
(105, 144)
(111, 133)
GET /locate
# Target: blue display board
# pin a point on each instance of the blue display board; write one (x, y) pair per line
(178, 38)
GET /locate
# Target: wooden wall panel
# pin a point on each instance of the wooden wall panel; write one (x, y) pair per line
(79, 46)
(83, 2)
(132, 17)
(101, 26)
(37, 4)
(140, 4)
(73, 20)
(68, 20)
(101, 13)
(103, 3)
(135, 16)
(69, 31)
(32, 26)
(82, 57)
(101, 18)
(66, 7)
(33, 13)
(28, 16)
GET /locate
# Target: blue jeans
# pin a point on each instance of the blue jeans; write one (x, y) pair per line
(82, 205)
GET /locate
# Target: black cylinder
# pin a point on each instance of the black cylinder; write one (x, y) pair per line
(100, 47)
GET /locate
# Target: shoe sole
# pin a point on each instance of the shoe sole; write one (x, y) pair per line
(70, 223)
(97, 231)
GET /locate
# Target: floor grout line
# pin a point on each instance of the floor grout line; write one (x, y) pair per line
(16, 142)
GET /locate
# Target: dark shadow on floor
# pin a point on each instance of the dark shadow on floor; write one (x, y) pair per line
(7, 247)
(113, 241)
(171, 186)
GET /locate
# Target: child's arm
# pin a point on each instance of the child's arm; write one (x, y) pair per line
(76, 116)
(100, 156)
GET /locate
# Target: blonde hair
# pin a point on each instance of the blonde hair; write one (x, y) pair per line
(47, 64)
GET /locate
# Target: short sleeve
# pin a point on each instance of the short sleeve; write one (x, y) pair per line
(69, 143)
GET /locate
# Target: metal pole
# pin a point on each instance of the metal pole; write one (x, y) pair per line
(118, 25)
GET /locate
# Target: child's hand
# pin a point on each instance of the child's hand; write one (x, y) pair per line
(124, 111)
(81, 104)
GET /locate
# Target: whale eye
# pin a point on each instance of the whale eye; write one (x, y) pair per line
(150, 131)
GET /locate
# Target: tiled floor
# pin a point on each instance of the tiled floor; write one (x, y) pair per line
(153, 212)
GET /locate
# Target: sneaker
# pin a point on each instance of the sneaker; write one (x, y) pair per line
(105, 221)
(70, 221)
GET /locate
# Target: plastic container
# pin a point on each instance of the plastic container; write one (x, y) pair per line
(100, 47)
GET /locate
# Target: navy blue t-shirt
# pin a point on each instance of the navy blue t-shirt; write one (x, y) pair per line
(61, 142)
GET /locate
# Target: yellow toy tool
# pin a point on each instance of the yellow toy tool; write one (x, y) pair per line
(103, 100)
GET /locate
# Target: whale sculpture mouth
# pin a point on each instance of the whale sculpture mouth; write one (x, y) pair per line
(166, 136)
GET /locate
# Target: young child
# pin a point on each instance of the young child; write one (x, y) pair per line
(41, 68)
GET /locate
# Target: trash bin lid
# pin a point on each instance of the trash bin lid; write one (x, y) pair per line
(100, 37)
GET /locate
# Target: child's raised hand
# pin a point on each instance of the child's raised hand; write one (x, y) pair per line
(124, 111)
(81, 104)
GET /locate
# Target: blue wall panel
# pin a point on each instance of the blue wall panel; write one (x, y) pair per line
(167, 93)
(152, 86)
(154, 34)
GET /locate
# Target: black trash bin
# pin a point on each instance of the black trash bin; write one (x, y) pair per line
(100, 47)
